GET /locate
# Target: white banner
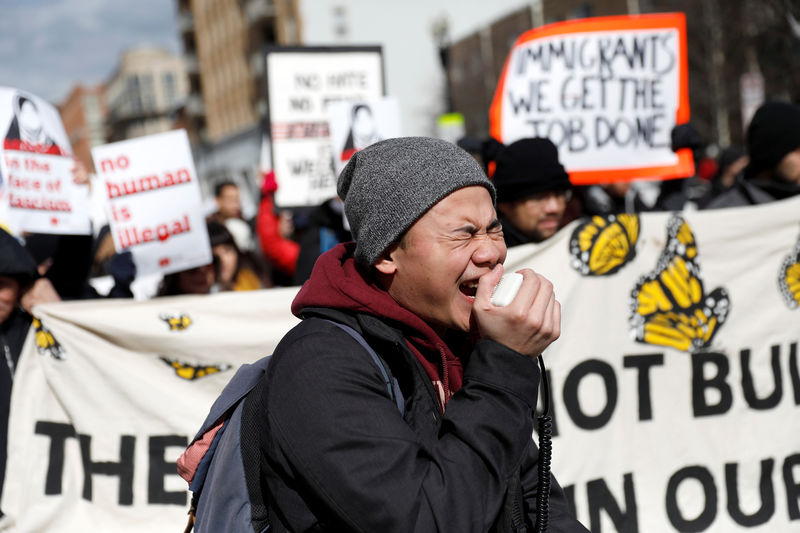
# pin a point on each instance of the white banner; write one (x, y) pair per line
(301, 82)
(107, 395)
(675, 384)
(607, 91)
(36, 180)
(154, 204)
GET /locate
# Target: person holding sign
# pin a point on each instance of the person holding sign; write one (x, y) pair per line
(532, 191)
(448, 447)
(773, 144)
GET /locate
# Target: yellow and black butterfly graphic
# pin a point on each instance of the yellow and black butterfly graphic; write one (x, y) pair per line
(600, 246)
(190, 372)
(669, 307)
(789, 278)
(46, 343)
(176, 321)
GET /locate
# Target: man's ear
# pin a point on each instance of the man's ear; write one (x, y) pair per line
(386, 263)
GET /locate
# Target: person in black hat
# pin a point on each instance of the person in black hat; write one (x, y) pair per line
(17, 275)
(773, 144)
(532, 191)
(334, 449)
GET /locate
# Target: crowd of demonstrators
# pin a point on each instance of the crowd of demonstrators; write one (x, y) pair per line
(535, 199)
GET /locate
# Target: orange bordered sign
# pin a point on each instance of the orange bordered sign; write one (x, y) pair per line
(607, 91)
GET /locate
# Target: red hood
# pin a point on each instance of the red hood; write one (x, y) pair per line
(337, 283)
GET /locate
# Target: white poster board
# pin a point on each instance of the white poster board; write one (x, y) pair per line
(36, 178)
(356, 125)
(154, 202)
(607, 91)
(301, 82)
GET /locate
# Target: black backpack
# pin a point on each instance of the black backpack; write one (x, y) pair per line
(213, 462)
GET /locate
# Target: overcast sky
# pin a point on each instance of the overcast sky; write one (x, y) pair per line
(47, 46)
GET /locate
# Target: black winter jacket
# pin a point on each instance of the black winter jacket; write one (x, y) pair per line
(335, 454)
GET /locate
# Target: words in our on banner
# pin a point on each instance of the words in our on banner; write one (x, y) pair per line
(587, 91)
(130, 233)
(712, 394)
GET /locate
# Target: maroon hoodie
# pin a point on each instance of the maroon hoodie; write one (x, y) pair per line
(337, 283)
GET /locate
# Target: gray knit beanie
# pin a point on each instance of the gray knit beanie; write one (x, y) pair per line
(387, 186)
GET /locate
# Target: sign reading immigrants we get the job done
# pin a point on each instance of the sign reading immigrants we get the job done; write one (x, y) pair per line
(154, 202)
(607, 91)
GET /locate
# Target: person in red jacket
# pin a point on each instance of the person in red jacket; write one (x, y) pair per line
(276, 246)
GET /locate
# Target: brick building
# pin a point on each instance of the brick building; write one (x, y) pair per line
(83, 113)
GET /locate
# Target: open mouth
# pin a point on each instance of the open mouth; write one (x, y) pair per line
(469, 288)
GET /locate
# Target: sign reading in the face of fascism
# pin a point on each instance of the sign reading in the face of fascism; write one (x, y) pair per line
(38, 193)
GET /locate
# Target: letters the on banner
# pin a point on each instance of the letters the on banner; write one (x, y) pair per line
(36, 178)
(675, 383)
(607, 91)
(154, 202)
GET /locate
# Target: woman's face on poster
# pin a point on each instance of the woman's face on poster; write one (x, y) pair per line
(30, 124)
(363, 123)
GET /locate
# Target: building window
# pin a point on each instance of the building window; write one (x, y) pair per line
(168, 83)
(134, 97)
(148, 93)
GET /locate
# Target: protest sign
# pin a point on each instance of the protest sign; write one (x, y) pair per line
(675, 383)
(356, 125)
(36, 178)
(607, 91)
(154, 202)
(301, 82)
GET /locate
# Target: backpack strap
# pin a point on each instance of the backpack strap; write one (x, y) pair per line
(392, 386)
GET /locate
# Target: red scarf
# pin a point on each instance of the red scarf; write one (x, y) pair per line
(337, 283)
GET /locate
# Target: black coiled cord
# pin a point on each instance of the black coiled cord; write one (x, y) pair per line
(545, 430)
